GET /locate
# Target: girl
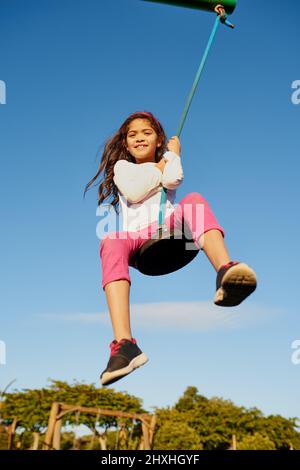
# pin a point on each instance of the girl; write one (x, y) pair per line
(137, 161)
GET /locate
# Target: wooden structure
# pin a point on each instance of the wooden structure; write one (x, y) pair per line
(7, 432)
(58, 410)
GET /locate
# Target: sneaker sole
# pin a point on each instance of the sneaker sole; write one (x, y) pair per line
(237, 284)
(111, 377)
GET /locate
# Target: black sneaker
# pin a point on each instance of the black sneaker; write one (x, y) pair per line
(125, 356)
(235, 281)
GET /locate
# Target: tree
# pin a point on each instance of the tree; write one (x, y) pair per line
(175, 434)
(194, 422)
(32, 407)
(256, 442)
(215, 420)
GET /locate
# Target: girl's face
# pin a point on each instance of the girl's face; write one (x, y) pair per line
(142, 140)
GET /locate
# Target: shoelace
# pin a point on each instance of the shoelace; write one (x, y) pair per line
(115, 345)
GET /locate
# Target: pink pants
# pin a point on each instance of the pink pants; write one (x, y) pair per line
(117, 249)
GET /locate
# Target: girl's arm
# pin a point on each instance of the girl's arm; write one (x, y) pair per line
(136, 181)
(172, 171)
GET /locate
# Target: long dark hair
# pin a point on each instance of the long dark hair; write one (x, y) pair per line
(115, 149)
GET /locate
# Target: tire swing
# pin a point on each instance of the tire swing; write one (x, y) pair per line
(170, 250)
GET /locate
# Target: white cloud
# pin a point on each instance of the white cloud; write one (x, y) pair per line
(199, 316)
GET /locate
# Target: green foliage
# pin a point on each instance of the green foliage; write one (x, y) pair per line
(175, 434)
(256, 442)
(216, 420)
(281, 431)
(194, 422)
(67, 440)
(32, 407)
(190, 400)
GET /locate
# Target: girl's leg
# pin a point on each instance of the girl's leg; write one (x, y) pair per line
(116, 251)
(208, 235)
(125, 355)
(235, 280)
(117, 297)
(212, 243)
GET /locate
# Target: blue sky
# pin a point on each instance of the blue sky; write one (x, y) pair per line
(73, 72)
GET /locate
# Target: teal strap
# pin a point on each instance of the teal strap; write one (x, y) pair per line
(163, 199)
(186, 109)
(198, 75)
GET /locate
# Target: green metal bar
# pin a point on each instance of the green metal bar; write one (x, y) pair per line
(208, 5)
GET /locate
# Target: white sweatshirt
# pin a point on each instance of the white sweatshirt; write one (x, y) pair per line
(140, 187)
